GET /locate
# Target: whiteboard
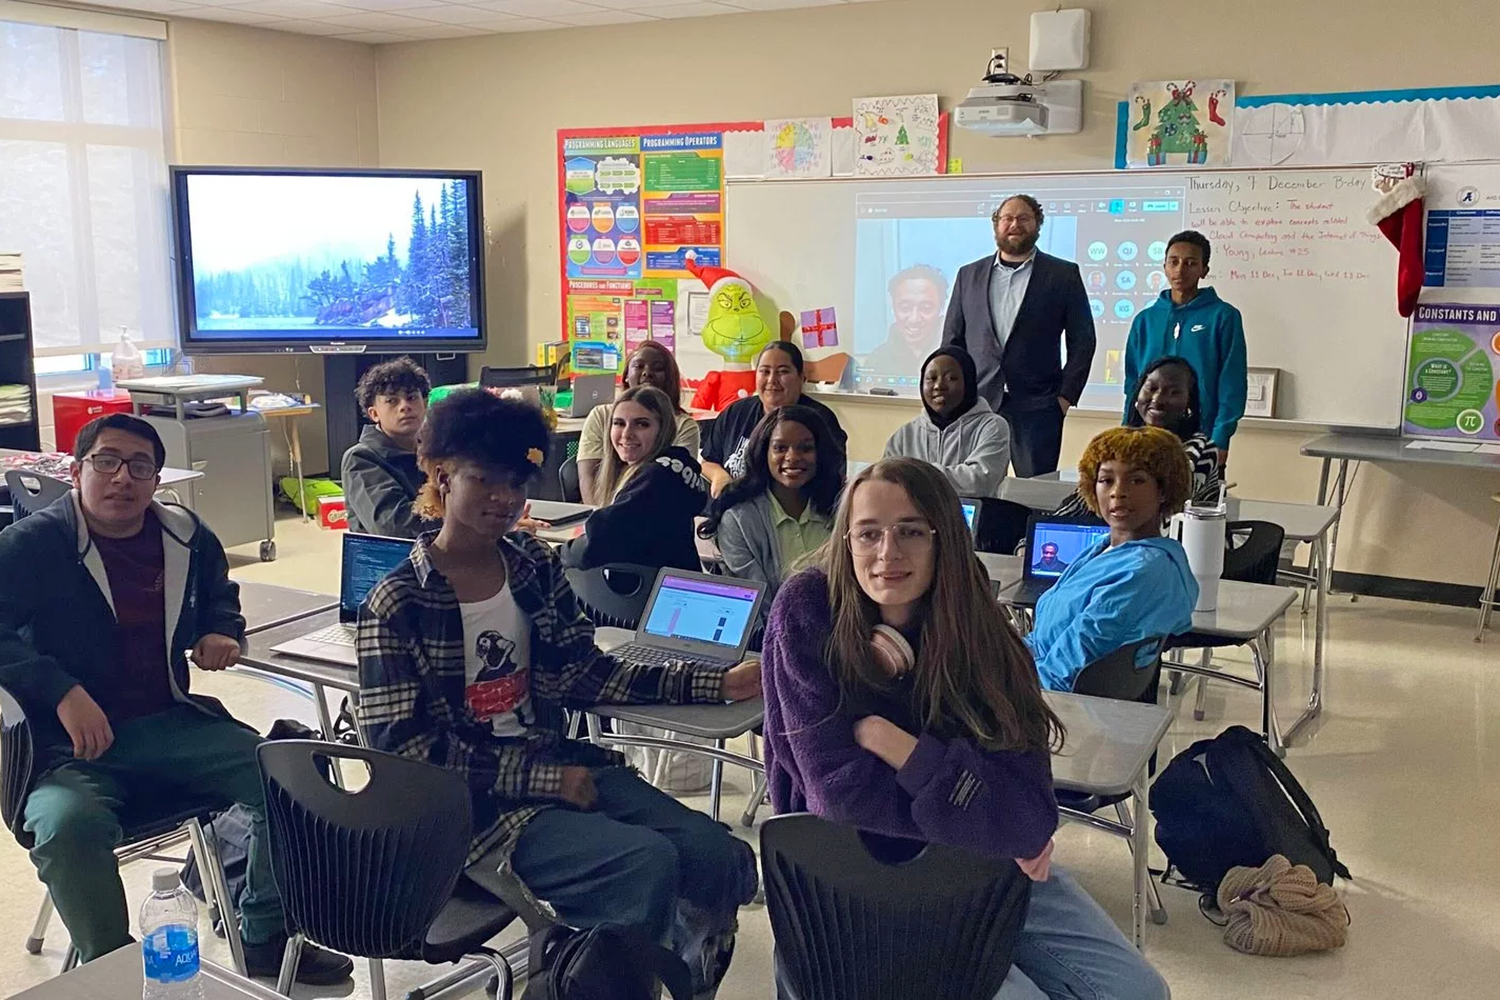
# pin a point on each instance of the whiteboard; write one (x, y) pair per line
(1292, 250)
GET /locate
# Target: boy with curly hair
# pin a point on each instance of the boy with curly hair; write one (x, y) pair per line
(380, 474)
(1133, 585)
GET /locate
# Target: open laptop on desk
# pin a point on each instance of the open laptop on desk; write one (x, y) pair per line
(560, 514)
(367, 558)
(1052, 545)
(695, 617)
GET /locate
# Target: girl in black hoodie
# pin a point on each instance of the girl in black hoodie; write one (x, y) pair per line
(654, 489)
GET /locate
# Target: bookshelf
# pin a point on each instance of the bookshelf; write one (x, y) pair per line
(17, 368)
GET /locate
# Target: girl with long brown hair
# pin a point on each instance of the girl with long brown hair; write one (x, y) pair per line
(649, 364)
(899, 701)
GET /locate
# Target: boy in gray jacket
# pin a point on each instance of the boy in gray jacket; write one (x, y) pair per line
(380, 474)
(958, 432)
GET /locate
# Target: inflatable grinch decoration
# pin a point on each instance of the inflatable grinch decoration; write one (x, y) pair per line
(734, 331)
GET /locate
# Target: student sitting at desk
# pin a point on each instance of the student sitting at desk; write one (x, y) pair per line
(899, 701)
(780, 511)
(1132, 585)
(649, 364)
(379, 474)
(958, 433)
(651, 488)
(104, 591)
(468, 654)
(778, 382)
(1166, 396)
(1193, 323)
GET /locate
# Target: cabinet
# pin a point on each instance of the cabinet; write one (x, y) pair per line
(19, 420)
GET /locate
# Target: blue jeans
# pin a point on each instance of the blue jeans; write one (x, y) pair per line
(632, 860)
(1069, 949)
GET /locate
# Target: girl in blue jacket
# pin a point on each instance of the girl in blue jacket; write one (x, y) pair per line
(1194, 323)
(1132, 585)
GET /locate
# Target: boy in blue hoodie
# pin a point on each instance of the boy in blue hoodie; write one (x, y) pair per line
(1132, 585)
(1194, 323)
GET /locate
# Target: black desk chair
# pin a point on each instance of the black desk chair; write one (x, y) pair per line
(373, 873)
(1117, 676)
(614, 594)
(147, 831)
(567, 479)
(32, 491)
(1252, 554)
(848, 926)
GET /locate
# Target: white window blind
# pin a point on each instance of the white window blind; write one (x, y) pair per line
(83, 184)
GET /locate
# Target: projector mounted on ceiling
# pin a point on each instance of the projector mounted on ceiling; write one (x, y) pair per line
(1005, 104)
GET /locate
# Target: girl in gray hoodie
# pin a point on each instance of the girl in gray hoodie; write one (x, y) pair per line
(957, 432)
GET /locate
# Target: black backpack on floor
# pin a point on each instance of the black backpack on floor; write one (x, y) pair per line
(602, 963)
(1230, 801)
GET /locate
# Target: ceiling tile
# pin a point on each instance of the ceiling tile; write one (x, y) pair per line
(772, 4)
(379, 5)
(601, 17)
(307, 10)
(375, 37)
(303, 27)
(695, 8)
(160, 7)
(536, 8)
(373, 21)
(445, 31)
(454, 14)
(524, 24)
(237, 16)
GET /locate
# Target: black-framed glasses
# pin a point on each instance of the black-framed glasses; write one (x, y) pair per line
(107, 465)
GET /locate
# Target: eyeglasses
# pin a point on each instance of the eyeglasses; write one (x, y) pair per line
(909, 536)
(1021, 220)
(107, 465)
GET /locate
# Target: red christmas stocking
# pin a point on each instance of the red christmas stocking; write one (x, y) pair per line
(1399, 215)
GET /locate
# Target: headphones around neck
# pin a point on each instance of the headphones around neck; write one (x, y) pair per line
(892, 651)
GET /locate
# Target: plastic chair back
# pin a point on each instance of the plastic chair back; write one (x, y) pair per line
(614, 594)
(1252, 551)
(1117, 676)
(32, 491)
(847, 926)
(363, 872)
(567, 479)
(16, 761)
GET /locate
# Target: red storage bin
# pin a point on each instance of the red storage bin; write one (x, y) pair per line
(71, 410)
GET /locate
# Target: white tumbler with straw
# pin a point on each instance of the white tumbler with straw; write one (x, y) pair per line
(1202, 535)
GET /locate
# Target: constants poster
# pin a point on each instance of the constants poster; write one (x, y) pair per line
(632, 203)
(1450, 372)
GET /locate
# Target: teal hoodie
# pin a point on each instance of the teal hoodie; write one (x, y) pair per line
(1208, 333)
(1111, 596)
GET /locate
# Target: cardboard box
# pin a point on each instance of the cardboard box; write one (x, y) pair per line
(332, 513)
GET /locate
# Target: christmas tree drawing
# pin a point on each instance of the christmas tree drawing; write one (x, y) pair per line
(1177, 129)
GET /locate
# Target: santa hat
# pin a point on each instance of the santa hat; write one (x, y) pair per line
(714, 277)
(1399, 215)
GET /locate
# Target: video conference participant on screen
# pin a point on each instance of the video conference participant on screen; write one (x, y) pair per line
(1013, 312)
(1048, 562)
(917, 296)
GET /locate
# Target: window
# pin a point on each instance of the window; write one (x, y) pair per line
(83, 187)
(73, 364)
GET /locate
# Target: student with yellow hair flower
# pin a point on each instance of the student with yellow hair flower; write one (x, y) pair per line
(1134, 584)
(468, 654)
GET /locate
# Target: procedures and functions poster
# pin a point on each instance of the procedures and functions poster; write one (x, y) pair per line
(601, 209)
(1450, 372)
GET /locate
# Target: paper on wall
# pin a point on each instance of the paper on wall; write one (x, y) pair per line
(798, 148)
(842, 152)
(896, 136)
(745, 154)
(697, 312)
(1174, 123)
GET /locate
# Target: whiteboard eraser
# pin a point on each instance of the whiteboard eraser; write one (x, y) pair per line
(1059, 40)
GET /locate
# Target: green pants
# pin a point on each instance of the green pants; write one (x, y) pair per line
(74, 813)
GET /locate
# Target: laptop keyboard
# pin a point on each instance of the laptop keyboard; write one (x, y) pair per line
(649, 656)
(334, 635)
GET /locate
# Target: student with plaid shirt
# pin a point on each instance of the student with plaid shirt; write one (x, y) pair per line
(469, 652)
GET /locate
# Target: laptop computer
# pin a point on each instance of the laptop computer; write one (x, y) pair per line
(589, 391)
(366, 559)
(559, 513)
(971, 514)
(1052, 545)
(695, 617)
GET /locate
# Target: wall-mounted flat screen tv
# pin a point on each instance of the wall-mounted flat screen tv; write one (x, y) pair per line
(280, 260)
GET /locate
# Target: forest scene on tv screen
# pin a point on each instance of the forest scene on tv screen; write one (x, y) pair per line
(300, 257)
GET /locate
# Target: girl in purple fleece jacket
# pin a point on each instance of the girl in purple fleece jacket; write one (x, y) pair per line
(899, 701)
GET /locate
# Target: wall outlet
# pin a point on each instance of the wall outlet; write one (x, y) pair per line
(999, 62)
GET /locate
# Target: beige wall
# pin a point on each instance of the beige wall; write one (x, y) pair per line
(496, 102)
(243, 96)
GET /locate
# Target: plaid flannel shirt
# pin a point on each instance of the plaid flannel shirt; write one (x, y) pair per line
(411, 680)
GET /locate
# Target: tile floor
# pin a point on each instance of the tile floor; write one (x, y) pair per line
(1401, 770)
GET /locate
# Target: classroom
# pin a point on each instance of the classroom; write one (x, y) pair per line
(1355, 650)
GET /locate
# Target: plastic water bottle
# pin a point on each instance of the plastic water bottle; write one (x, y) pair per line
(169, 940)
(126, 360)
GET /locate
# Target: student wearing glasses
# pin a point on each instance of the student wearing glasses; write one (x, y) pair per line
(899, 701)
(105, 589)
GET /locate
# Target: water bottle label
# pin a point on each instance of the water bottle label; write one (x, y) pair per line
(171, 953)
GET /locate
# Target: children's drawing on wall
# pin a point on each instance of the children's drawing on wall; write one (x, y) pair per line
(896, 136)
(1174, 122)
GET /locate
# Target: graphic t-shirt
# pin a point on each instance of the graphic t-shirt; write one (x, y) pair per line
(497, 663)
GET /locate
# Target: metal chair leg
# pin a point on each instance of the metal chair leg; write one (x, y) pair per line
(1205, 657)
(207, 850)
(506, 978)
(290, 957)
(716, 784)
(757, 796)
(1158, 909)
(1487, 596)
(377, 979)
(39, 929)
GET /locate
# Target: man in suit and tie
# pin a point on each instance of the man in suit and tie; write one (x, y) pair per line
(1012, 312)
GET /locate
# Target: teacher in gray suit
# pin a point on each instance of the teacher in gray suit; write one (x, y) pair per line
(1014, 312)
